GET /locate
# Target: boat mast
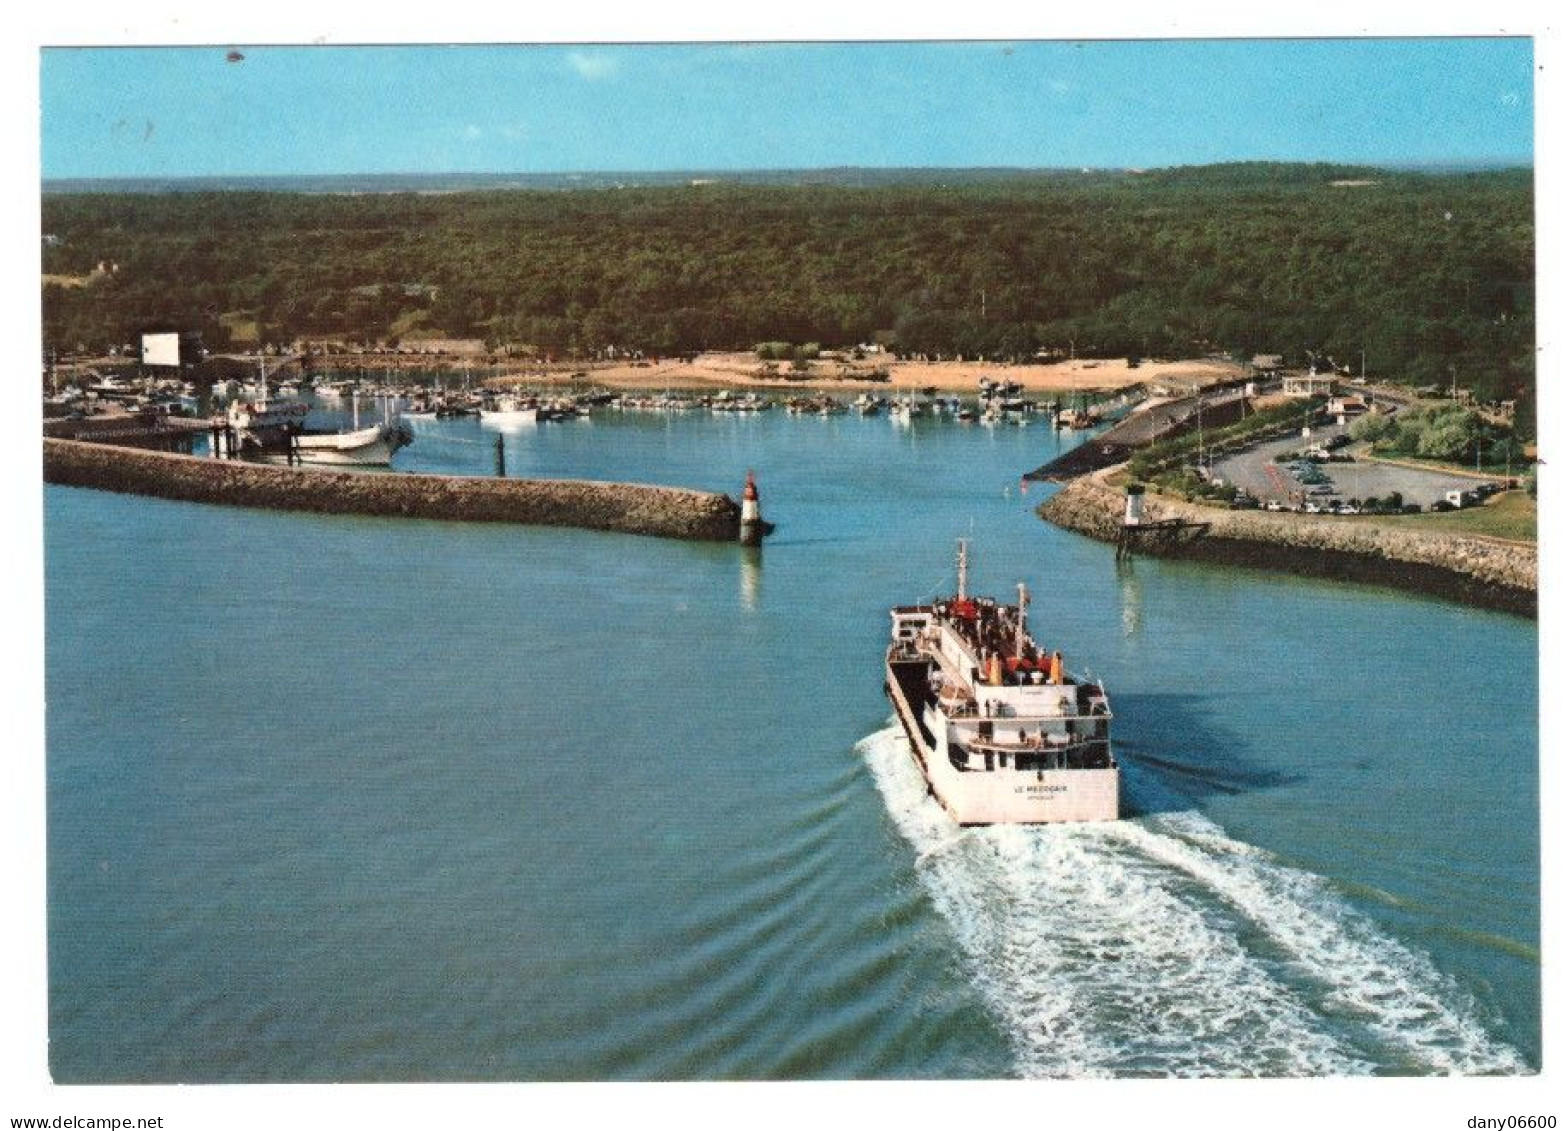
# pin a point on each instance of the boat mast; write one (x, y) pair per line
(1023, 613)
(963, 568)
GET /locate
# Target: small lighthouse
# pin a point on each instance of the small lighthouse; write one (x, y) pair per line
(1133, 516)
(752, 527)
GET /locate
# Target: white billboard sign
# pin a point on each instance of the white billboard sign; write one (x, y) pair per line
(161, 349)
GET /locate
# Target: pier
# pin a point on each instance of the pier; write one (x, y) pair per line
(1488, 572)
(155, 431)
(1143, 428)
(631, 508)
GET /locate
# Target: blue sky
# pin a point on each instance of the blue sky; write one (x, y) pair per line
(162, 112)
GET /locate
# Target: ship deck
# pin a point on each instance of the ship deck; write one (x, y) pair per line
(914, 682)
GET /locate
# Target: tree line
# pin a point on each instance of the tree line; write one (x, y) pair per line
(1420, 277)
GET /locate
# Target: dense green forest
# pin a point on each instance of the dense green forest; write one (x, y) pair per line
(1432, 276)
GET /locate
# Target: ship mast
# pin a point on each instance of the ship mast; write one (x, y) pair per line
(963, 568)
(1023, 615)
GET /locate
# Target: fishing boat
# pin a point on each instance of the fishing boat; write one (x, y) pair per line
(1002, 732)
(366, 447)
(276, 432)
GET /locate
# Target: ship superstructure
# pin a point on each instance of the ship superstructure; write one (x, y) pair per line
(1002, 731)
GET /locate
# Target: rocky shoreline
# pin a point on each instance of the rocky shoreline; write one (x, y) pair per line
(665, 512)
(1487, 572)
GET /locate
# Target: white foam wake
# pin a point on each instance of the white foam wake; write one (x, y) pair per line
(1163, 947)
(1406, 1003)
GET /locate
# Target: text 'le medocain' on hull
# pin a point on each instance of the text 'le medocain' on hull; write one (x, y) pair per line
(1003, 733)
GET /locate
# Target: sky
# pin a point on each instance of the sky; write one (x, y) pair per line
(197, 111)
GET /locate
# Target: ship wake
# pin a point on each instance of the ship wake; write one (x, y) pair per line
(1163, 947)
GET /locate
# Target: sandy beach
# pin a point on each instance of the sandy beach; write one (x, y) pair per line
(744, 370)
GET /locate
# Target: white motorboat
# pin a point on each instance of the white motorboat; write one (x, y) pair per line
(510, 412)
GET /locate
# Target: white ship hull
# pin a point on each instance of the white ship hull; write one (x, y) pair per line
(509, 418)
(368, 447)
(1003, 796)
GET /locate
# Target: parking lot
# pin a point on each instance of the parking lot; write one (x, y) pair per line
(1256, 472)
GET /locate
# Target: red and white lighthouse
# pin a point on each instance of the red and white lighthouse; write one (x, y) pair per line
(752, 528)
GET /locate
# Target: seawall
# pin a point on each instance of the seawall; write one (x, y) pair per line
(667, 512)
(1480, 571)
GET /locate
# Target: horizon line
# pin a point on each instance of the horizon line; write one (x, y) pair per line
(1493, 162)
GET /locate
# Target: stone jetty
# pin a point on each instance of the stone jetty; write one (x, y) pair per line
(1481, 571)
(630, 508)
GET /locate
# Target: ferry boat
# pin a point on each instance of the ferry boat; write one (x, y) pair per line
(1003, 733)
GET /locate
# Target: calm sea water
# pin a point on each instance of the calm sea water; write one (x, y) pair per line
(355, 799)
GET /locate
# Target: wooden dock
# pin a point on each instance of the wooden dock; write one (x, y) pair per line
(1157, 537)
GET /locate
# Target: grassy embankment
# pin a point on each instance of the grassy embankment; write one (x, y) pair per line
(1510, 516)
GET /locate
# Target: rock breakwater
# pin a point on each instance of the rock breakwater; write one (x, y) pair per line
(667, 512)
(1482, 571)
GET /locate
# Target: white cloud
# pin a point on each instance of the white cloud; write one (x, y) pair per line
(591, 67)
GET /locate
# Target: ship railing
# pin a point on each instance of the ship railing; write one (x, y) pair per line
(1091, 755)
(970, 711)
(1005, 746)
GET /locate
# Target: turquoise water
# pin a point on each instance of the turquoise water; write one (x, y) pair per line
(357, 799)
